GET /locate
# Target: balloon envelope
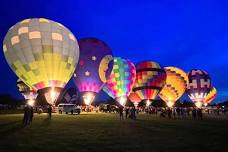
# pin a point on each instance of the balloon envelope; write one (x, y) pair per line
(41, 52)
(69, 95)
(95, 65)
(176, 83)
(122, 78)
(199, 85)
(26, 91)
(150, 78)
(134, 98)
(210, 96)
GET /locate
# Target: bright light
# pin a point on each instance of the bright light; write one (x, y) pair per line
(198, 104)
(170, 104)
(205, 104)
(88, 98)
(136, 104)
(122, 100)
(148, 102)
(51, 96)
(31, 102)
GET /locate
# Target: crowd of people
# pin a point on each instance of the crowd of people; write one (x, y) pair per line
(130, 112)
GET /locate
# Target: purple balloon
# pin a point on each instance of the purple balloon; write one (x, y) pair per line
(199, 85)
(95, 65)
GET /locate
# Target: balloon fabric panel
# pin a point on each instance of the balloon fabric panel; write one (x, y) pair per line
(199, 85)
(95, 65)
(43, 53)
(121, 79)
(150, 78)
(176, 83)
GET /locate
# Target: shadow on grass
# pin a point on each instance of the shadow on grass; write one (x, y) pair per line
(11, 128)
(46, 122)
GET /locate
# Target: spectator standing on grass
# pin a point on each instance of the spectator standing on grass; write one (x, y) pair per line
(49, 109)
(178, 111)
(126, 112)
(169, 111)
(194, 113)
(121, 112)
(26, 115)
(174, 112)
(200, 113)
(31, 114)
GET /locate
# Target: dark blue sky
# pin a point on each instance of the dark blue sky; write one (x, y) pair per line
(186, 34)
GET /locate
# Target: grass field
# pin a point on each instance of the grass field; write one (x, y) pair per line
(106, 133)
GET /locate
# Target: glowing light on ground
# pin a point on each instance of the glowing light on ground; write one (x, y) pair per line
(31, 102)
(170, 104)
(88, 98)
(148, 102)
(198, 104)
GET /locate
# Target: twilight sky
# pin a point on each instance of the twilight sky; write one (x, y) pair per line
(186, 34)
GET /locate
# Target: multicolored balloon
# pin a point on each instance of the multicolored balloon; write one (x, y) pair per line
(199, 86)
(42, 53)
(176, 83)
(121, 80)
(134, 98)
(95, 66)
(210, 96)
(27, 92)
(150, 79)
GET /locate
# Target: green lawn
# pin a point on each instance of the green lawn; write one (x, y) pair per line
(105, 132)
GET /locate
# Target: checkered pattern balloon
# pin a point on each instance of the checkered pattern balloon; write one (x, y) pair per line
(95, 65)
(26, 91)
(41, 52)
(122, 78)
(176, 83)
(211, 95)
(199, 85)
(150, 79)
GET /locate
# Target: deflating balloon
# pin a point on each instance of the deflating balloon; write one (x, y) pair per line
(121, 80)
(176, 83)
(150, 79)
(42, 53)
(95, 66)
(26, 91)
(69, 96)
(199, 86)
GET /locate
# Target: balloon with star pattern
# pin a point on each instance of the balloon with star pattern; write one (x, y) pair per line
(95, 65)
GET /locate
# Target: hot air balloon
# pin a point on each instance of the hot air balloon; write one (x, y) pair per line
(69, 96)
(210, 96)
(150, 79)
(176, 83)
(121, 80)
(198, 87)
(42, 53)
(135, 99)
(95, 65)
(28, 93)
